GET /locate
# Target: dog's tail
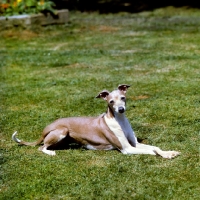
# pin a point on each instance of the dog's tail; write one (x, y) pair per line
(14, 138)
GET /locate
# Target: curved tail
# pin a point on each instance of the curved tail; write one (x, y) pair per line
(14, 138)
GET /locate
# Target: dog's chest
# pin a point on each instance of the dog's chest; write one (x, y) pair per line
(115, 127)
(123, 122)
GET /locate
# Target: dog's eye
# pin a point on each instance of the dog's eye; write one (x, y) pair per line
(111, 101)
(123, 98)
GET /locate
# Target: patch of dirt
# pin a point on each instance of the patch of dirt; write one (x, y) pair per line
(22, 34)
(104, 28)
(140, 97)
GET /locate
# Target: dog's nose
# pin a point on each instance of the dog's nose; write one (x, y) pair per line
(121, 109)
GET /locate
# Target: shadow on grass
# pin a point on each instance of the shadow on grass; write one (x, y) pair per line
(69, 143)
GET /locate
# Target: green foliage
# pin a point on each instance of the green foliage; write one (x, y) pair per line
(18, 7)
(57, 72)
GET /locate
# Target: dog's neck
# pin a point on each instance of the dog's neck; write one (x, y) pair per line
(110, 113)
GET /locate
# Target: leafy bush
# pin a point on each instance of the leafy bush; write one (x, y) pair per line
(18, 7)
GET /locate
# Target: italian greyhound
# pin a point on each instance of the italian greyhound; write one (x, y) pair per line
(110, 130)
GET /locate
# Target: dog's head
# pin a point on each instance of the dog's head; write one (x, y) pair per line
(116, 99)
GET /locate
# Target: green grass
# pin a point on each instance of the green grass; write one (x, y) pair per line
(57, 71)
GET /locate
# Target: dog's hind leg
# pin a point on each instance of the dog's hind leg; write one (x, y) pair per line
(52, 138)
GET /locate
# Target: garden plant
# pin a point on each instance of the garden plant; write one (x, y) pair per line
(19, 7)
(56, 71)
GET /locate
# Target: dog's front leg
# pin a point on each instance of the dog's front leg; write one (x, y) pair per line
(134, 150)
(158, 151)
(128, 149)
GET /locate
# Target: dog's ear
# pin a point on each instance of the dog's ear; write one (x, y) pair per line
(103, 94)
(123, 87)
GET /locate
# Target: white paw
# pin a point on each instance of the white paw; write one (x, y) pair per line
(170, 154)
(52, 153)
(49, 152)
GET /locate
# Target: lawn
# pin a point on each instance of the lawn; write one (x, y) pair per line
(57, 71)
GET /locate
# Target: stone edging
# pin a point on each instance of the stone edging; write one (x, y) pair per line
(32, 21)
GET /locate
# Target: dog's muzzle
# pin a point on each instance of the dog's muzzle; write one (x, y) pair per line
(121, 109)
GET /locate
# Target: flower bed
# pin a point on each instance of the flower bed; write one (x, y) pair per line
(30, 13)
(20, 7)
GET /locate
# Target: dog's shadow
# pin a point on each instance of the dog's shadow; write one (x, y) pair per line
(69, 143)
(66, 143)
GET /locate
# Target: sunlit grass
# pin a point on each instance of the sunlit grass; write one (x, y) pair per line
(57, 72)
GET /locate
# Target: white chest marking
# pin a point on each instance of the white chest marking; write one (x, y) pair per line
(117, 130)
(126, 128)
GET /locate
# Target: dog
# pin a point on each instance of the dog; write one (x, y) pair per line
(108, 131)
